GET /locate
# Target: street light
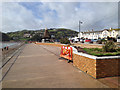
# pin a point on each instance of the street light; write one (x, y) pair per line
(79, 28)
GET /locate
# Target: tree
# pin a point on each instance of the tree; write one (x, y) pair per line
(109, 46)
(64, 41)
(36, 37)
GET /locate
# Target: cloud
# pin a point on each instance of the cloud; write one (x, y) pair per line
(97, 16)
(94, 15)
(16, 17)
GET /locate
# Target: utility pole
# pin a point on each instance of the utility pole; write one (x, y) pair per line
(79, 27)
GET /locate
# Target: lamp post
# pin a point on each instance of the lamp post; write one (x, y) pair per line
(79, 28)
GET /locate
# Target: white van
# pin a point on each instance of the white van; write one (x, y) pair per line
(118, 39)
(75, 39)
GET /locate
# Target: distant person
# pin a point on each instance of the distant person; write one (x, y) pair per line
(7, 48)
(72, 40)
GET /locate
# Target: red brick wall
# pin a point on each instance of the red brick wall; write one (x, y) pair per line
(107, 67)
(85, 64)
(97, 68)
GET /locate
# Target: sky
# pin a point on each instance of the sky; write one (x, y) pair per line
(39, 15)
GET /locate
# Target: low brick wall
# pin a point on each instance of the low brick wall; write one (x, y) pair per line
(107, 67)
(52, 44)
(97, 67)
(85, 64)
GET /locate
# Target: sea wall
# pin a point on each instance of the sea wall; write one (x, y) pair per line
(52, 44)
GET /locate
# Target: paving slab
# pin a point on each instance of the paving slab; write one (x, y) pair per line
(40, 66)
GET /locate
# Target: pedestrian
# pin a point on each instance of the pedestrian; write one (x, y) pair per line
(7, 47)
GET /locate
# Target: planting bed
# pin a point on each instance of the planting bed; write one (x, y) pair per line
(98, 51)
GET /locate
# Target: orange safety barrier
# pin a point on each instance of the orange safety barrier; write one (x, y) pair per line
(66, 52)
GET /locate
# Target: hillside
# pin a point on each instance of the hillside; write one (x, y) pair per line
(4, 37)
(55, 33)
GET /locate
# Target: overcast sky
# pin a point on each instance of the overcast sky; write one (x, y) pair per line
(37, 15)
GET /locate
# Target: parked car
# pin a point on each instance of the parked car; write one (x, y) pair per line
(93, 40)
(75, 40)
(87, 40)
(118, 39)
(82, 40)
(79, 39)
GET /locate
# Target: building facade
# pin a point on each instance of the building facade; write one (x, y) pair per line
(113, 33)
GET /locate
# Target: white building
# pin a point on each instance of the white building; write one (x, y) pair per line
(100, 34)
(26, 35)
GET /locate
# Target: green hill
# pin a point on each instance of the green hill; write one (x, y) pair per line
(4, 37)
(56, 33)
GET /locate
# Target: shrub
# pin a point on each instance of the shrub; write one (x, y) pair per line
(109, 46)
(97, 49)
(99, 52)
(118, 49)
(64, 41)
(99, 41)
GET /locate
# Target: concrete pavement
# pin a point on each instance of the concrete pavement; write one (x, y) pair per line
(39, 66)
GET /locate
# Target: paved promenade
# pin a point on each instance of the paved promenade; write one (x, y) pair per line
(39, 66)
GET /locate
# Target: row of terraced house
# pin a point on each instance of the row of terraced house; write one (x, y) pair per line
(113, 33)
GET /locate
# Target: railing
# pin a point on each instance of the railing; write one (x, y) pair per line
(6, 53)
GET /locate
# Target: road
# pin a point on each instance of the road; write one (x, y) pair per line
(40, 66)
